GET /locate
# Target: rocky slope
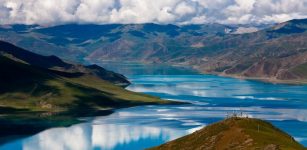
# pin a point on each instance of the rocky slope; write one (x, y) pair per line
(277, 53)
(235, 134)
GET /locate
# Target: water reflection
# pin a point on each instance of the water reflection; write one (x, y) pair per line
(113, 136)
(92, 136)
(73, 138)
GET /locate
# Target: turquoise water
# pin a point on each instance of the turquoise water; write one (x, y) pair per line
(211, 98)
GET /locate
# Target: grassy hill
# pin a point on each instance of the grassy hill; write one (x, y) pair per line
(37, 89)
(56, 64)
(234, 134)
(34, 97)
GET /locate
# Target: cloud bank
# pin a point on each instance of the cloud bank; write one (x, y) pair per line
(46, 12)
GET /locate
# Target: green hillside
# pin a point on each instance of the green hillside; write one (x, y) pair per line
(27, 87)
(34, 97)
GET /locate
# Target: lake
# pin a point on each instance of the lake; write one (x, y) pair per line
(212, 98)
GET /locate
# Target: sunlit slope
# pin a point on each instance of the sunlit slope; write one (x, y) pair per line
(36, 89)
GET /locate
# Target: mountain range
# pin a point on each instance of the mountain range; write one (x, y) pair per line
(267, 52)
(75, 41)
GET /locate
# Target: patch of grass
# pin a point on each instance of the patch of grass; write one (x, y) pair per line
(115, 91)
(268, 134)
(301, 70)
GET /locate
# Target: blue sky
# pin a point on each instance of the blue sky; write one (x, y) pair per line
(51, 12)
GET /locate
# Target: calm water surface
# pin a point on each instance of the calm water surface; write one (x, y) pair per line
(211, 98)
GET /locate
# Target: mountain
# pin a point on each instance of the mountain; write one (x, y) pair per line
(37, 92)
(276, 54)
(56, 64)
(54, 85)
(233, 134)
(76, 42)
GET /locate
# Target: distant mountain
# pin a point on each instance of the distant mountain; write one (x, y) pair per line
(76, 42)
(277, 53)
(234, 134)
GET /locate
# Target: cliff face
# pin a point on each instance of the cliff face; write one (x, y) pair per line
(234, 134)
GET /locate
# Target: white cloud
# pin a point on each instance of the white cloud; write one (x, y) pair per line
(102, 136)
(184, 8)
(48, 12)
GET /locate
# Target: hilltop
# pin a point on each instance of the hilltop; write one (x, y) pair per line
(234, 134)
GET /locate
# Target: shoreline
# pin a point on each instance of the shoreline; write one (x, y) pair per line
(195, 68)
(236, 76)
(263, 79)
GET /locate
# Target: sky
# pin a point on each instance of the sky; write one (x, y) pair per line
(53, 12)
